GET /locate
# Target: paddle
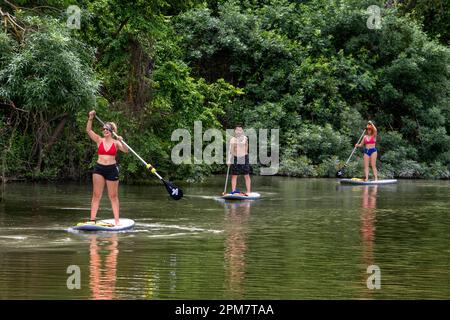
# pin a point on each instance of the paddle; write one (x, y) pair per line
(174, 192)
(226, 182)
(340, 173)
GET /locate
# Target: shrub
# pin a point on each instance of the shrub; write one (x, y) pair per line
(299, 167)
(410, 169)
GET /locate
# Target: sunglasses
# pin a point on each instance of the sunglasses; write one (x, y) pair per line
(107, 129)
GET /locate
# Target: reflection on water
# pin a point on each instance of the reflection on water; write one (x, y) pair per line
(103, 271)
(368, 220)
(236, 218)
(304, 239)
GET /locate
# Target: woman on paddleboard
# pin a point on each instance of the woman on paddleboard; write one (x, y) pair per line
(240, 164)
(106, 170)
(370, 151)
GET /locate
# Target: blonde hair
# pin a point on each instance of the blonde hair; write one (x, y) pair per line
(112, 125)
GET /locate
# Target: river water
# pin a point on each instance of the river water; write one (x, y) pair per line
(304, 239)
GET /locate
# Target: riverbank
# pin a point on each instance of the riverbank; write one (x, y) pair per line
(299, 168)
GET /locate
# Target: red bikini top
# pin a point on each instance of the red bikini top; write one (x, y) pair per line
(111, 152)
(370, 140)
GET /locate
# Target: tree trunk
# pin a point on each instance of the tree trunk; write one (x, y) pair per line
(46, 148)
(8, 150)
(141, 66)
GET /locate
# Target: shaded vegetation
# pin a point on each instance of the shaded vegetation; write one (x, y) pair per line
(311, 68)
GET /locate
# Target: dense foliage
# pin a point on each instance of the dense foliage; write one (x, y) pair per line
(312, 68)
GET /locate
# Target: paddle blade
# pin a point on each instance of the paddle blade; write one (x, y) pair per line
(174, 192)
(340, 173)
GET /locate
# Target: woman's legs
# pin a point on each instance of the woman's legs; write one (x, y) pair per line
(373, 163)
(113, 187)
(366, 166)
(99, 183)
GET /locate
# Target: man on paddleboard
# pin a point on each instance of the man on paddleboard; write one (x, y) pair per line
(239, 160)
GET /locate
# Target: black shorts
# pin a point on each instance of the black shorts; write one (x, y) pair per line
(110, 172)
(240, 166)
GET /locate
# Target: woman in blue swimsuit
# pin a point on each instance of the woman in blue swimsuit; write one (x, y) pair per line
(370, 152)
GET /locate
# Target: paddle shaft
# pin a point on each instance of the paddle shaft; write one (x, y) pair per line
(134, 152)
(226, 181)
(354, 149)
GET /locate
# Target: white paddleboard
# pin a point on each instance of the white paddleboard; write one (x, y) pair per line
(251, 196)
(356, 181)
(105, 225)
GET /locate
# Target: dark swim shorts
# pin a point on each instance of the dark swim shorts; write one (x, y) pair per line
(109, 172)
(370, 151)
(240, 166)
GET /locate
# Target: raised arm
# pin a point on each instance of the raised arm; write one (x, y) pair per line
(375, 131)
(122, 147)
(94, 137)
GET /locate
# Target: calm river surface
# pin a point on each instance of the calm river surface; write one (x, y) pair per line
(304, 239)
